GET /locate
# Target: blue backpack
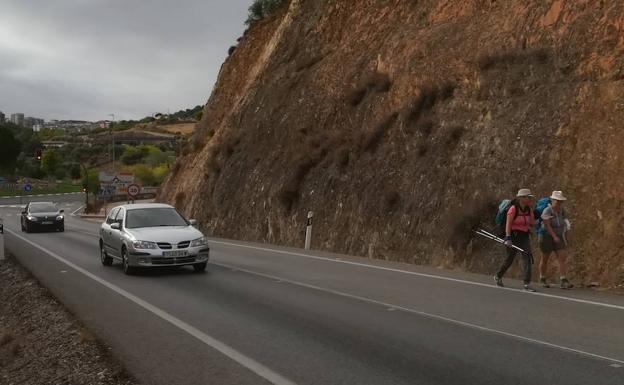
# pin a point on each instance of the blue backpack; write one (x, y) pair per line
(541, 205)
(501, 215)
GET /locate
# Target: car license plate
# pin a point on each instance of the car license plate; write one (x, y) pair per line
(46, 223)
(175, 253)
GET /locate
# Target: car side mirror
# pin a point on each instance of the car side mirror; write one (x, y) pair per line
(61, 211)
(192, 222)
(116, 226)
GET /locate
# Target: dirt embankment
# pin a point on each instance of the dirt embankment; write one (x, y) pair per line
(41, 343)
(402, 123)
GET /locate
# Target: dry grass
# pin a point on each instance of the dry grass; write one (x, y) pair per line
(180, 199)
(289, 195)
(392, 200)
(455, 135)
(490, 61)
(6, 338)
(373, 139)
(308, 63)
(375, 82)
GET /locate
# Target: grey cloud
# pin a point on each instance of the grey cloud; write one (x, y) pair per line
(85, 59)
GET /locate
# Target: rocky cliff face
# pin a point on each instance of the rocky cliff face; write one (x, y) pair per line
(402, 123)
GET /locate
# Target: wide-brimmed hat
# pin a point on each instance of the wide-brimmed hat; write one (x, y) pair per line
(524, 192)
(558, 196)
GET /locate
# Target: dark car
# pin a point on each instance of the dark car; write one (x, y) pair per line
(42, 215)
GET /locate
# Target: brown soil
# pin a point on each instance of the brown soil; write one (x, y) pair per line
(41, 343)
(402, 123)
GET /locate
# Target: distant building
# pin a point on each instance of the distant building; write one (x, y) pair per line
(29, 122)
(2, 117)
(53, 143)
(37, 127)
(17, 119)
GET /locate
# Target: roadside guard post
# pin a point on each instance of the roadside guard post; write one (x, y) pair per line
(308, 240)
(1, 239)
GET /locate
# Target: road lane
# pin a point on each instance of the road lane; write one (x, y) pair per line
(313, 336)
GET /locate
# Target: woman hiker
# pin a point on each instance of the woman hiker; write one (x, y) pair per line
(552, 239)
(518, 226)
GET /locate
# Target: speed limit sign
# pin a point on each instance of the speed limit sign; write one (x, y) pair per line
(134, 190)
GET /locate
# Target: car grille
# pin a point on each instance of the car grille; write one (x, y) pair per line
(164, 245)
(184, 244)
(172, 261)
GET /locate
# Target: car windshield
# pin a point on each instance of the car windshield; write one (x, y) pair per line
(42, 208)
(154, 217)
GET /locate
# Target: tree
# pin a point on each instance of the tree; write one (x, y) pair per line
(51, 161)
(74, 170)
(91, 181)
(145, 175)
(260, 9)
(9, 149)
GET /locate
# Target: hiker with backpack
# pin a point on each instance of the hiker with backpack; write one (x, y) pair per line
(551, 237)
(518, 221)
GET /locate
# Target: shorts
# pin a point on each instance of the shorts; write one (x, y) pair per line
(547, 244)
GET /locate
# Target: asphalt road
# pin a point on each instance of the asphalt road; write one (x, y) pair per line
(275, 315)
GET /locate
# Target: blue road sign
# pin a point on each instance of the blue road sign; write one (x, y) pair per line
(28, 187)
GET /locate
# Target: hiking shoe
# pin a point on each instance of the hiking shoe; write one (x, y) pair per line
(499, 281)
(544, 283)
(529, 289)
(566, 285)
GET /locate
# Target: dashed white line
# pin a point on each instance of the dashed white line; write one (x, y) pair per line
(224, 349)
(424, 275)
(389, 306)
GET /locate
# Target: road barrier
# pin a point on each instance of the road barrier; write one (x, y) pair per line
(1, 239)
(308, 239)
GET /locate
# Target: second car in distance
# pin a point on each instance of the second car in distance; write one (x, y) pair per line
(42, 215)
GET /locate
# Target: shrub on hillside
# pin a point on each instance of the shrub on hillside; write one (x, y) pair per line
(260, 9)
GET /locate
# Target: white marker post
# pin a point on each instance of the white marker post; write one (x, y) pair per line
(1, 240)
(308, 240)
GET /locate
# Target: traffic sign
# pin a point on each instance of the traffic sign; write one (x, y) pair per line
(28, 187)
(134, 190)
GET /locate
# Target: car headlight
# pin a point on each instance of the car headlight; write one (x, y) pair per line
(144, 245)
(199, 242)
(31, 218)
(59, 218)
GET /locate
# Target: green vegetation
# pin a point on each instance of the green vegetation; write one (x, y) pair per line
(260, 9)
(188, 115)
(90, 181)
(51, 163)
(58, 189)
(148, 163)
(51, 133)
(9, 149)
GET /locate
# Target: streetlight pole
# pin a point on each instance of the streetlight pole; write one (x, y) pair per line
(113, 139)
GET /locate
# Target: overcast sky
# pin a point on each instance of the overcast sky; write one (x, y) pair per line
(86, 59)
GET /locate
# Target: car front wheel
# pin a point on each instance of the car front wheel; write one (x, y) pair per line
(127, 269)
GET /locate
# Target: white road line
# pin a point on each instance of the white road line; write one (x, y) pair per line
(224, 349)
(75, 211)
(389, 306)
(424, 275)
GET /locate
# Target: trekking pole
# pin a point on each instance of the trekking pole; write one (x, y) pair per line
(494, 238)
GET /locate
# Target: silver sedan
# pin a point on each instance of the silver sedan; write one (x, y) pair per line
(153, 234)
